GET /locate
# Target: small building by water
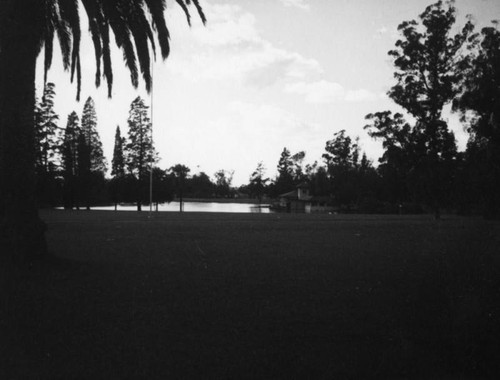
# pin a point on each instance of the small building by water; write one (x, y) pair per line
(300, 200)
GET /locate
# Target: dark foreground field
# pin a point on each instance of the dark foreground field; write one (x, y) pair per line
(255, 296)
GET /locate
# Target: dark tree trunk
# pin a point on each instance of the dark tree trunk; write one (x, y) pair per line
(22, 231)
(139, 194)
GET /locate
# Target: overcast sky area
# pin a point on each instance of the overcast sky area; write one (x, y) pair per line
(260, 76)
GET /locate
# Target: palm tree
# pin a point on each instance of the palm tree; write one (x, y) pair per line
(27, 26)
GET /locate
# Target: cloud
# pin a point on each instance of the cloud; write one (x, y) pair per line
(384, 31)
(228, 25)
(329, 92)
(361, 95)
(317, 92)
(301, 4)
(231, 48)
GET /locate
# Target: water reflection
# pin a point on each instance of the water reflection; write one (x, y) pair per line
(196, 207)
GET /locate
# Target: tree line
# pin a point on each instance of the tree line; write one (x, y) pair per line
(71, 167)
(420, 169)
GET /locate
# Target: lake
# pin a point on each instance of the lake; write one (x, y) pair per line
(196, 207)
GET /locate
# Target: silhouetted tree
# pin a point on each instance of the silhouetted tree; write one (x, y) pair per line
(258, 183)
(401, 153)
(140, 154)
(26, 26)
(223, 180)
(70, 160)
(317, 176)
(163, 187)
(117, 169)
(284, 180)
(180, 173)
(427, 78)
(200, 186)
(47, 146)
(92, 138)
(93, 164)
(297, 161)
(47, 136)
(341, 159)
(118, 162)
(479, 105)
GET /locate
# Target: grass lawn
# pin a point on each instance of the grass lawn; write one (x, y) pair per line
(255, 296)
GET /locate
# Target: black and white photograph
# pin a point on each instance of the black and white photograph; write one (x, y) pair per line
(249, 189)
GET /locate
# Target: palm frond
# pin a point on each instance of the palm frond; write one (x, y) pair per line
(106, 56)
(114, 12)
(142, 48)
(141, 33)
(200, 11)
(130, 25)
(69, 13)
(64, 36)
(48, 47)
(139, 18)
(123, 41)
(92, 8)
(184, 7)
(157, 9)
(48, 38)
(78, 78)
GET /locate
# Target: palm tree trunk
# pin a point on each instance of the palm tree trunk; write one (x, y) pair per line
(22, 230)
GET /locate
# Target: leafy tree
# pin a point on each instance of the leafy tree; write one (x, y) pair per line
(427, 78)
(258, 182)
(318, 180)
(401, 153)
(341, 159)
(140, 154)
(180, 173)
(200, 186)
(70, 160)
(223, 180)
(297, 160)
(162, 187)
(341, 152)
(479, 105)
(26, 26)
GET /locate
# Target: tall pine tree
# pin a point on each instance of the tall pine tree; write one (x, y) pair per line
(47, 148)
(47, 135)
(70, 160)
(92, 139)
(284, 180)
(118, 183)
(139, 152)
(118, 162)
(91, 162)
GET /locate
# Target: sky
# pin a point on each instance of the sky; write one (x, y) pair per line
(260, 76)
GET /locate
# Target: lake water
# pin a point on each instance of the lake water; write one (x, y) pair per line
(196, 207)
